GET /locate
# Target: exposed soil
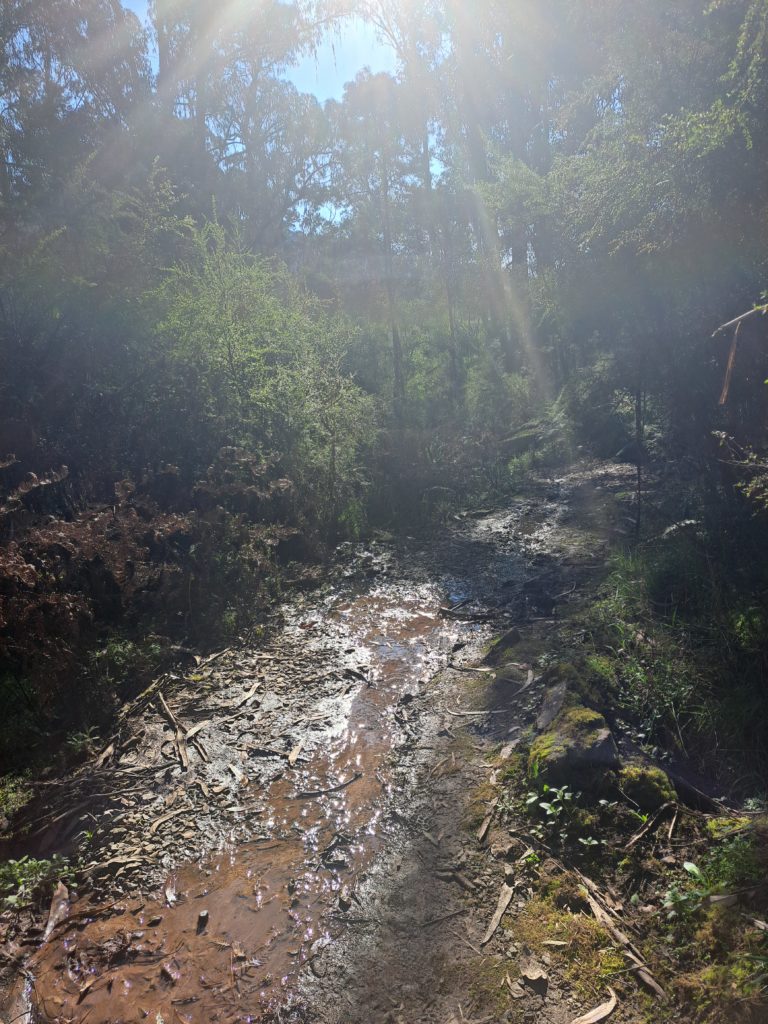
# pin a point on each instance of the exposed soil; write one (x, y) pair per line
(302, 828)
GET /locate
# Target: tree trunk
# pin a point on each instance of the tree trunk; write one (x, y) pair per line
(639, 444)
(397, 347)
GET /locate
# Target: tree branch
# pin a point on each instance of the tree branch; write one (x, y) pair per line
(739, 319)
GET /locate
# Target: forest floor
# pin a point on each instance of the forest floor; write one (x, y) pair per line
(329, 824)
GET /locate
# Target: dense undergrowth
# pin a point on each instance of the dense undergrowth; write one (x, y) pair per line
(679, 641)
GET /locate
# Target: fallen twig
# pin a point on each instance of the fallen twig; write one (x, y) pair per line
(166, 817)
(468, 944)
(248, 696)
(600, 1012)
(482, 832)
(215, 657)
(649, 826)
(758, 310)
(472, 714)
(332, 789)
(179, 733)
(673, 824)
(445, 917)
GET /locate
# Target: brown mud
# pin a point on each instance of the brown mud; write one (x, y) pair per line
(283, 833)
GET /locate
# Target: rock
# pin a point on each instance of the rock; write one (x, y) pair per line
(647, 786)
(578, 747)
(497, 655)
(554, 701)
(507, 848)
(345, 900)
(535, 977)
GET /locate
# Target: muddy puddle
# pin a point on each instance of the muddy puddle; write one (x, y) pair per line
(224, 938)
(252, 847)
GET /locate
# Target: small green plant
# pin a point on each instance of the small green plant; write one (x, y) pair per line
(733, 863)
(641, 816)
(27, 880)
(557, 807)
(82, 744)
(757, 981)
(590, 841)
(727, 867)
(229, 621)
(684, 899)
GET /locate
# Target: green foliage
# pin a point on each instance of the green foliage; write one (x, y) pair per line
(15, 792)
(734, 862)
(651, 672)
(595, 408)
(266, 365)
(121, 657)
(82, 743)
(28, 881)
(686, 898)
(727, 867)
(558, 819)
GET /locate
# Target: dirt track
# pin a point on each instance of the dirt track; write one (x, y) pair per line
(289, 831)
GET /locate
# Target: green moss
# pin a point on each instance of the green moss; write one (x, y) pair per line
(602, 669)
(587, 957)
(611, 963)
(647, 786)
(719, 828)
(579, 683)
(543, 749)
(584, 822)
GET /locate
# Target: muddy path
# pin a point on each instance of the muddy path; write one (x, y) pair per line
(280, 832)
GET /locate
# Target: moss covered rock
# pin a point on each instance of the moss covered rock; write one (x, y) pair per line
(577, 747)
(647, 786)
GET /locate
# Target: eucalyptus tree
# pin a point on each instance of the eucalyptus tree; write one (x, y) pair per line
(71, 74)
(375, 175)
(235, 132)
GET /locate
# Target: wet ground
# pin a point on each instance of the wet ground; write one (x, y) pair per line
(266, 831)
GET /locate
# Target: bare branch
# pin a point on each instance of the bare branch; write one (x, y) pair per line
(739, 319)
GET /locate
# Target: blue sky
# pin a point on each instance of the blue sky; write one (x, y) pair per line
(337, 61)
